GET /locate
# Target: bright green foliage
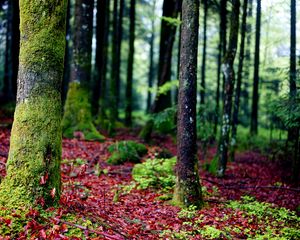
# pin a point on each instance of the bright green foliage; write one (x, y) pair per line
(157, 173)
(126, 151)
(77, 115)
(35, 153)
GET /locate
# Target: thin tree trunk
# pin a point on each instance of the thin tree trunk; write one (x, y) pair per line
(128, 107)
(222, 50)
(151, 64)
(33, 166)
(77, 119)
(188, 190)
(255, 96)
(228, 71)
(239, 82)
(202, 90)
(66, 77)
(12, 50)
(171, 9)
(102, 30)
(245, 92)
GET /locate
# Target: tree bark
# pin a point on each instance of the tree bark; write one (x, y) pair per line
(128, 107)
(33, 167)
(12, 51)
(228, 72)
(151, 64)
(77, 112)
(102, 30)
(171, 8)
(255, 96)
(202, 90)
(222, 51)
(188, 190)
(236, 105)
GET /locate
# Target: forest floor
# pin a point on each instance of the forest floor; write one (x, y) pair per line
(95, 203)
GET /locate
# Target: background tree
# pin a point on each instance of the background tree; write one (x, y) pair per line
(33, 167)
(203, 67)
(128, 106)
(255, 96)
(102, 32)
(236, 105)
(228, 72)
(188, 190)
(77, 112)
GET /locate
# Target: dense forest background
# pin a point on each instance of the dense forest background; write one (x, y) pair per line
(191, 106)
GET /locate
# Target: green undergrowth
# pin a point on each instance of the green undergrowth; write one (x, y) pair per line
(123, 151)
(243, 219)
(156, 173)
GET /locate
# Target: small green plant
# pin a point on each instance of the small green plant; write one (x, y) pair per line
(165, 121)
(157, 173)
(126, 151)
(188, 213)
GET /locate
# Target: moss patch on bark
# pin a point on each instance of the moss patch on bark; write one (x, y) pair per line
(33, 166)
(77, 115)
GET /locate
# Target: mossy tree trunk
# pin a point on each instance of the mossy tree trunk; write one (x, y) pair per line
(236, 105)
(222, 50)
(77, 112)
(255, 96)
(188, 189)
(128, 105)
(33, 167)
(203, 67)
(228, 72)
(102, 30)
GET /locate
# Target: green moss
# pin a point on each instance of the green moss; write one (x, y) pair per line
(126, 151)
(77, 115)
(157, 173)
(35, 153)
(42, 27)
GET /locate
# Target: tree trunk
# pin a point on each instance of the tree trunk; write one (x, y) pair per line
(293, 133)
(77, 117)
(33, 167)
(102, 30)
(222, 50)
(228, 72)
(202, 90)
(171, 9)
(67, 68)
(245, 92)
(255, 96)
(188, 190)
(128, 107)
(12, 51)
(236, 104)
(151, 65)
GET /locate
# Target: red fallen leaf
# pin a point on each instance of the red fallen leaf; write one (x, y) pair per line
(32, 213)
(43, 179)
(43, 234)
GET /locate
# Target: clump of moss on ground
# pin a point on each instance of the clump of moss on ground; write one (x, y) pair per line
(77, 115)
(157, 173)
(126, 151)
